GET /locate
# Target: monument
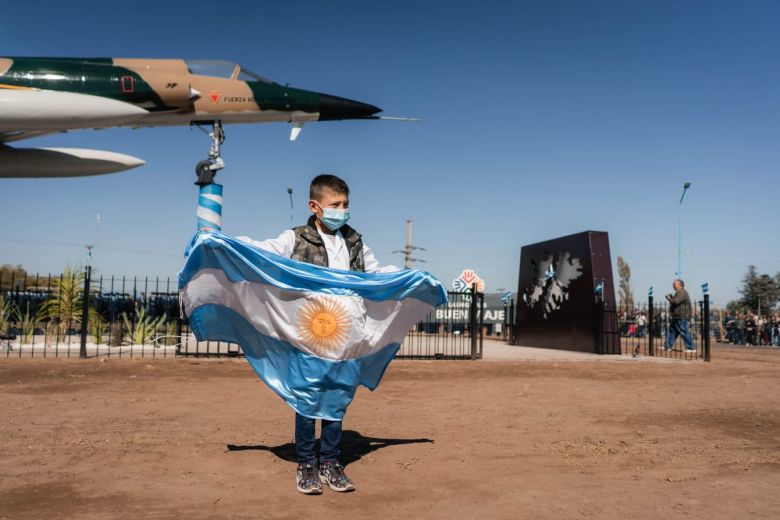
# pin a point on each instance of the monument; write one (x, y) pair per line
(566, 297)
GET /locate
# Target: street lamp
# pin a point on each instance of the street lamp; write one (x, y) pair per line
(679, 231)
(289, 192)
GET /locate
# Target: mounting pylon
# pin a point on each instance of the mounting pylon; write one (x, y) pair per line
(407, 251)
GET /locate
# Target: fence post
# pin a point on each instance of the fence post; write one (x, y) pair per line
(706, 327)
(650, 324)
(599, 326)
(473, 321)
(481, 321)
(504, 331)
(512, 322)
(85, 313)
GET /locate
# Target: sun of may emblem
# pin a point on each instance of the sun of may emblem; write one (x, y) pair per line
(323, 324)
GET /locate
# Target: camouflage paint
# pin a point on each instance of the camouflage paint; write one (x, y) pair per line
(155, 85)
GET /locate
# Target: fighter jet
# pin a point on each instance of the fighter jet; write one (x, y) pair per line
(41, 96)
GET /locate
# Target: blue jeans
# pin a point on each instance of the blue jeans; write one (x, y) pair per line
(679, 328)
(330, 439)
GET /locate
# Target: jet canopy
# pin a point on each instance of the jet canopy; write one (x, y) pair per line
(223, 69)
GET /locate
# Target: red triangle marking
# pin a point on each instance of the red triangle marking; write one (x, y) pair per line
(214, 96)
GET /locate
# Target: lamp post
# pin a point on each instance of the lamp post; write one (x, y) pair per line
(289, 192)
(85, 304)
(679, 230)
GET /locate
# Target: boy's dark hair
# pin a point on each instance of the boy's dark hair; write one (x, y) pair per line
(326, 181)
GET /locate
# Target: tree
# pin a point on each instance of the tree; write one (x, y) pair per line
(734, 306)
(8, 272)
(759, 290)
(624, 271)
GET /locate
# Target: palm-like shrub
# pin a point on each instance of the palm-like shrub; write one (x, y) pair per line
(6, 312)
(97, 327)
(169, 335)
(64, 305)
(144, 326)
(26, 322)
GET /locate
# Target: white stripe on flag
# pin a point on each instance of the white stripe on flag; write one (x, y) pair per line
(368, 325)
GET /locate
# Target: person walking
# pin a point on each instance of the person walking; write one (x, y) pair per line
(680, 313)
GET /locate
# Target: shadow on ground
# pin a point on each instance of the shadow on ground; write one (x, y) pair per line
(354, 445)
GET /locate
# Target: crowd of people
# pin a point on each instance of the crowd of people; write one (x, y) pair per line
(746, 328)
(740, 328)
(636, 324)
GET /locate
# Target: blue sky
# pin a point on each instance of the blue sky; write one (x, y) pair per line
(540, 119)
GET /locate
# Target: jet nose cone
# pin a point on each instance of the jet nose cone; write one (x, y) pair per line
(334, 108)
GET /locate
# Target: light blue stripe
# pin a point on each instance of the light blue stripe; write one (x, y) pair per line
(210, 205)
(214, 206)
(243, 262)
(211, 189)
(313, 387)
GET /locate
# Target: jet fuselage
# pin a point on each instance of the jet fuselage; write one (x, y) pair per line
(178, 91)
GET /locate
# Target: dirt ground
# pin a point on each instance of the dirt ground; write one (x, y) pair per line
(186, 438)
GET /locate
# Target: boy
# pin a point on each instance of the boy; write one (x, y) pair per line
(325, 240)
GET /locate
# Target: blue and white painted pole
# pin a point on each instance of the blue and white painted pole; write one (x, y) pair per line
(210, 208)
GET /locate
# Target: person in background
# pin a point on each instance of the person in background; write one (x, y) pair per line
(775, 332)
(739, 327)
(680, 312)
(641, 324)
(750, 329)
(729, 322)
(762, 330)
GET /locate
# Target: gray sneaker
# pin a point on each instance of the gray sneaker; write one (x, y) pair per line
(332, 474)
(307, 480)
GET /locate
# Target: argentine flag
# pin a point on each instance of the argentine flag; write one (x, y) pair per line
(313, 334)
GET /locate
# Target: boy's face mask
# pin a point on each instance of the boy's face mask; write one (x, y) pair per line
(333, 218)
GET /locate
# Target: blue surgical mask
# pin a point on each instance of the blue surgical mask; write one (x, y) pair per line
(334, 218)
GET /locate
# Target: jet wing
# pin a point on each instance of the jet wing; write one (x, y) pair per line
(27, 113)
(8, 137)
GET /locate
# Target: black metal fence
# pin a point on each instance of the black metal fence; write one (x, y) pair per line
(49, 316)
(509, 329)
(121, 316)
(643, 330)
(452, 331)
